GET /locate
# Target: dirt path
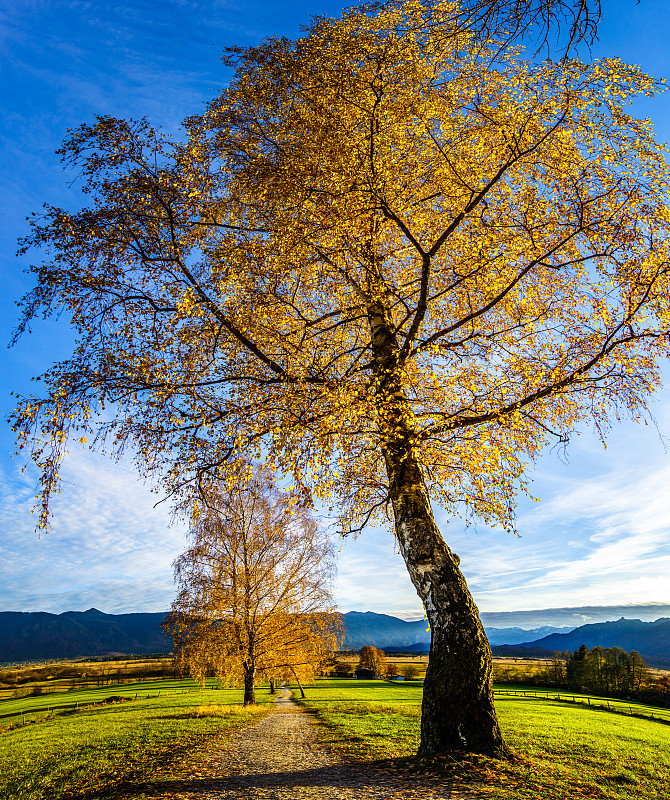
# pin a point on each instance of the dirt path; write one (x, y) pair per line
(283, 757)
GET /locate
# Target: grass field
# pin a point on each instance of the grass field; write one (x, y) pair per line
(625, 707)
(125, 748)
(63, 676)
(129, 748)
(32, 707)
(563, 751)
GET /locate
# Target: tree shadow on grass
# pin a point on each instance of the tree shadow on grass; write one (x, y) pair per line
(338, 776)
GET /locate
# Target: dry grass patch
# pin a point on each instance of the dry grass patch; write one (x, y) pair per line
(227, 711)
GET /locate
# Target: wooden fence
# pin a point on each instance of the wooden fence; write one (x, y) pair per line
(602, 705)
(80, 704)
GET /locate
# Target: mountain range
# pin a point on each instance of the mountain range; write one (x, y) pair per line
(33, 636)
(26, 636)
(37, 635)
(650, 639)
(573, 616)
(384, 631)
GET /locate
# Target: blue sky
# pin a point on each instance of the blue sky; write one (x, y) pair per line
(600, 536)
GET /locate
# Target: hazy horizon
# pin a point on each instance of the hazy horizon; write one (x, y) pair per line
(530, 619)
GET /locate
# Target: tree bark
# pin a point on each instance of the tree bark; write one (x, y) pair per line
(272, 686)
(457, 711)
(249, 688)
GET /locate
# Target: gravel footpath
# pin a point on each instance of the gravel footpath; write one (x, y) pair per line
(283, 757)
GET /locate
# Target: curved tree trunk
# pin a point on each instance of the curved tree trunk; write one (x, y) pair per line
(295, 675)
(457, 711)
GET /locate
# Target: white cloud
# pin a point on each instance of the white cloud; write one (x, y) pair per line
(109, 546)
(602, 538)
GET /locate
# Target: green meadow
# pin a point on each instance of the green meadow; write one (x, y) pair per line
(31, 707)
(124, 748)
(132, 745)
(562, 750)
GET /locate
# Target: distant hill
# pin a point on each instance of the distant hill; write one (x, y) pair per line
(650, 639)
(382, 630)
(413, 649)
(498, 636)
(521, 651)
(34, 636)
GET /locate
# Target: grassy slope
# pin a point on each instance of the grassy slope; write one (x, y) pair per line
(113, 749)
(564, 751)
(130, 748)
(92, 695)
(622, 706)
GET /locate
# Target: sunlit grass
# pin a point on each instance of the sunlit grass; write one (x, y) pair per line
(54, 701)
(226, 711)
(128, 748)
(562, 750)
(100, 750)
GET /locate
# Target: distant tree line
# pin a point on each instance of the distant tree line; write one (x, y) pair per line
(604, 671)
(373, 659)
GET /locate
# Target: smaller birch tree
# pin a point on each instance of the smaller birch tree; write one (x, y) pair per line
(254, 599)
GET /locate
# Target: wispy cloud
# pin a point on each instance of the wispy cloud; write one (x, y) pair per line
(597, 538)
(109, 547)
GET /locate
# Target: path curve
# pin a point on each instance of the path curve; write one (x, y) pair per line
(283, 757)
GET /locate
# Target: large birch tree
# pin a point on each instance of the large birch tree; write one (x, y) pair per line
(394, 259)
